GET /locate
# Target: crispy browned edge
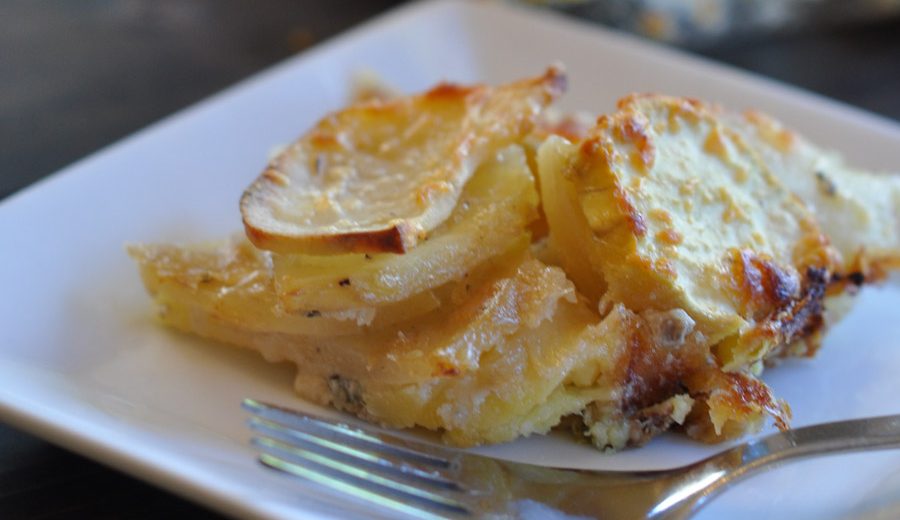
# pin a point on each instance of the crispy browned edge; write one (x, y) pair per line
(397, 239)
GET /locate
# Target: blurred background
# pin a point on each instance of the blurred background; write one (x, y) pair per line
(701, 24)
(76, 75)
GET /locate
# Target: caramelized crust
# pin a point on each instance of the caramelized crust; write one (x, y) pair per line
(670, 379)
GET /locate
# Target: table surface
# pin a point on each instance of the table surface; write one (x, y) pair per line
(75, 76)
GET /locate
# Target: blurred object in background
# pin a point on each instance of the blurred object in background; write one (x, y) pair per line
(699, 23)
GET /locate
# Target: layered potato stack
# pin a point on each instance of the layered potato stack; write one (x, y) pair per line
(456, 261)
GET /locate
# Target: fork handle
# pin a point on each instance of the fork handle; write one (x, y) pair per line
(732, 465)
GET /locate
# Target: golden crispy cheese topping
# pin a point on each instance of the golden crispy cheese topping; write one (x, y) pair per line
(683, 214)
(858, 210)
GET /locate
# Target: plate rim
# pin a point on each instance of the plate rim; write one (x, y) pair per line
(15, 410)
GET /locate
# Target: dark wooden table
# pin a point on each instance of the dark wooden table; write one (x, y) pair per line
(76, 75)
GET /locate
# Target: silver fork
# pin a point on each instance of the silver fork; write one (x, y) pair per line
(428, 481)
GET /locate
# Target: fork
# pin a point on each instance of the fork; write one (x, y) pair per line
(428, 481)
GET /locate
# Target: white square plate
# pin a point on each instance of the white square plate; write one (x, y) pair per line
(83, 364)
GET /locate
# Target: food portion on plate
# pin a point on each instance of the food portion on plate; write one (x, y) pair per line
(465, 261)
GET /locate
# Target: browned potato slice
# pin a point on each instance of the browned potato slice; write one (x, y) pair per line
(858, 210)
(378, 177)
(684, 215)
(491, 217)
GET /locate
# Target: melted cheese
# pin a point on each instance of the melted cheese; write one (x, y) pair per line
(684, 215)
(858, 210)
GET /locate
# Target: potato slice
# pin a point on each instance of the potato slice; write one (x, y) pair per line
(858, 210)
(493, 211)
(569, 235)
(378, 177)
(231, 283)
(684, 215)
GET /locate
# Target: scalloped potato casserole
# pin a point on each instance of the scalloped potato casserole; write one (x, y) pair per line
(466, 261)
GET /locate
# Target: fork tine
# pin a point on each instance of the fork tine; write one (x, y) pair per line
(365, 464)
(356, 480)
(382, 443)
(352, 473)
(376, 462)
(352, 486)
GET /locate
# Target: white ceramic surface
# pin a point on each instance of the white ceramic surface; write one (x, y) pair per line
(83, 364)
